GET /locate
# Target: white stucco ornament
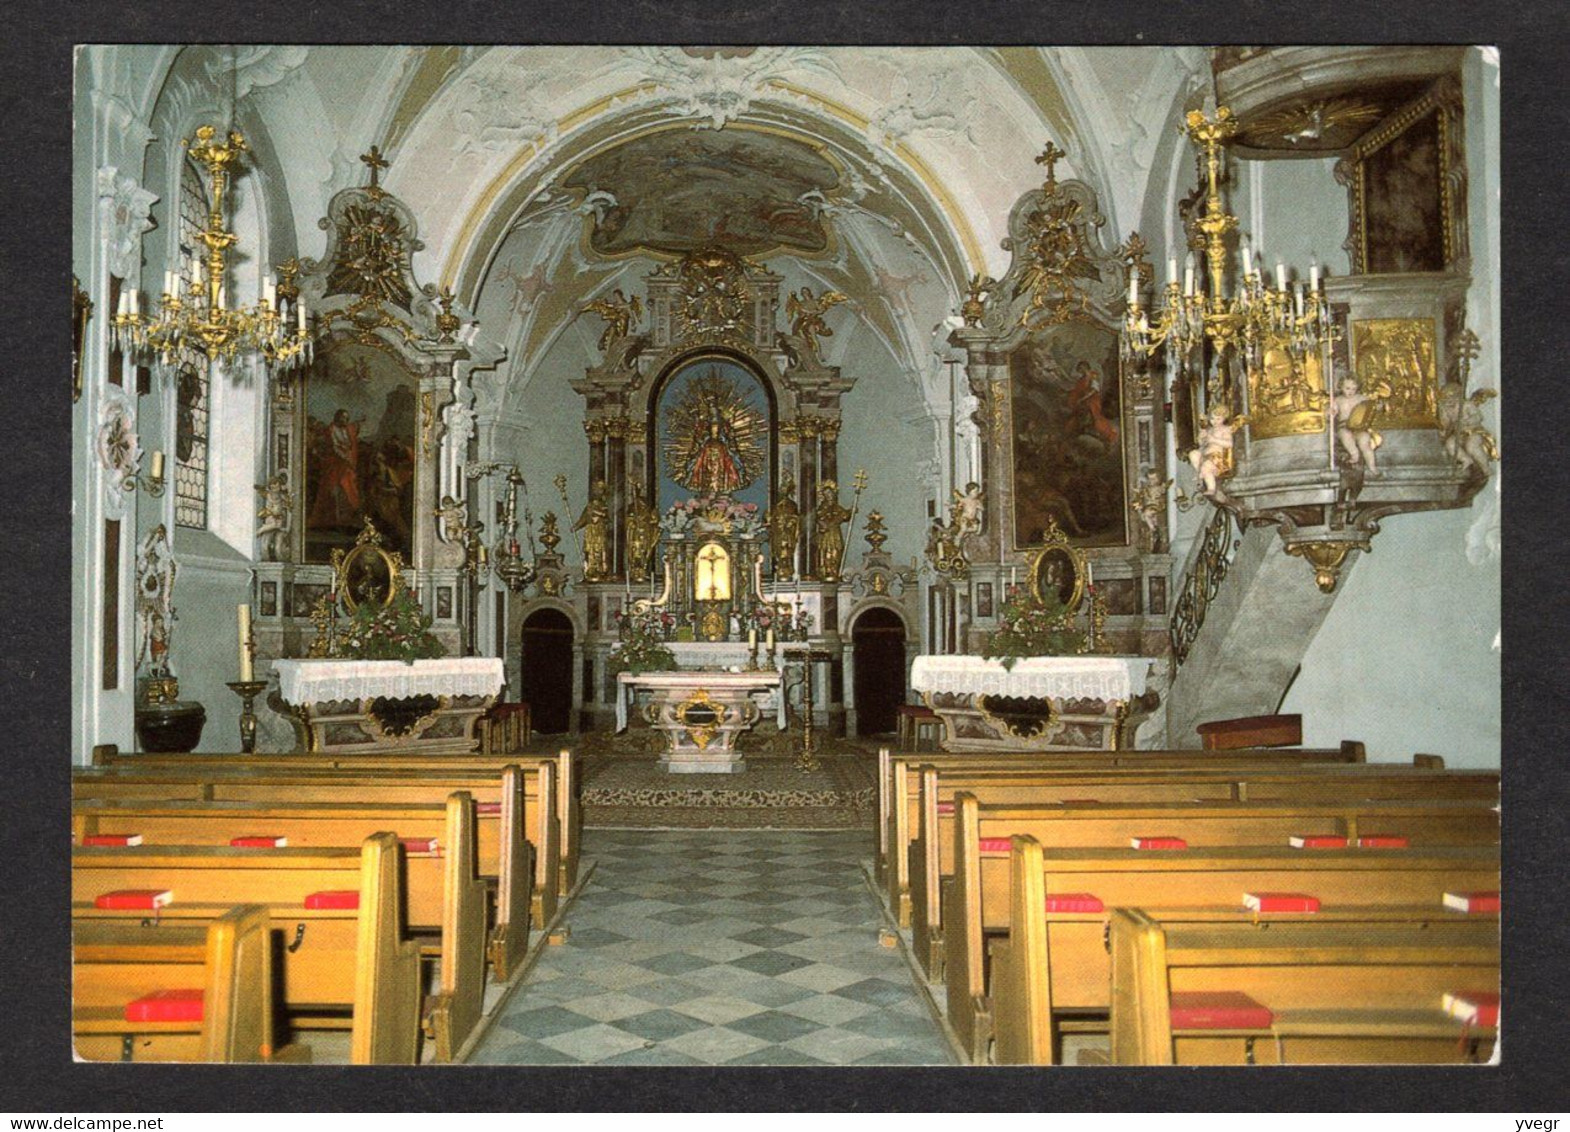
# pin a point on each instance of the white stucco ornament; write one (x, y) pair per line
(124, 210)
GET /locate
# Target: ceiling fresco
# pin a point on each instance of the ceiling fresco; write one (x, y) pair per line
(679, 190)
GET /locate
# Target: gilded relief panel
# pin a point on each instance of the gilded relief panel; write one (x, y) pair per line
(1068, 441)
(1286, 396)
(1394, 359)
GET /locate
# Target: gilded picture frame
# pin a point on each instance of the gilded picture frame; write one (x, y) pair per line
(1058, 568)
(368, 574)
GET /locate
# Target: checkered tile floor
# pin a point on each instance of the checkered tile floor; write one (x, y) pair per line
(709, 947)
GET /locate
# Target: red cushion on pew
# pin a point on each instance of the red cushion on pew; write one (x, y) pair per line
(945, 807)
(1218, 1010)
(167, 1006)
(333, 898)
(487, 807)
(419, 844)
(1158, 843)
(259, 841)
(1382, 841)
(1075, 902)
(994, 845)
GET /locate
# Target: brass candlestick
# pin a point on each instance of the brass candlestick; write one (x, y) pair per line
(807, 756)
(247, 690)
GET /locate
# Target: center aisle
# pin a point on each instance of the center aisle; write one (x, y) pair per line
(715, 947)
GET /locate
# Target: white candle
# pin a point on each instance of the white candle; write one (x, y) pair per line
(1281, 276)
(1297, 300)
(1013, 576)
(752, 640)
(169, 282)
(299, 313)
(124, 305)
(270, 291)
(1090, 574)
(223, 294)
(244, 613)
(1313, 275)
(1248, 259)
(768, 642)
(1188, 274)
(1172, 269)
(1133, 286)
(158, 464)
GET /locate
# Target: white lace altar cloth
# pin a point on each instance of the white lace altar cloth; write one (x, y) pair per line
(302, 682)
(1042, 677)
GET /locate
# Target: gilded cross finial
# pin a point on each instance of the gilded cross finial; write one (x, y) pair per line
(1050, 158)
(860, 481)
(377, 163)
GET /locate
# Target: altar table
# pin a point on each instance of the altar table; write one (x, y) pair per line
(1085, 703)
(427, 707)
(700, 714)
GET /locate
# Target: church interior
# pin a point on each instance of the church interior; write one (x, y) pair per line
(786, 556)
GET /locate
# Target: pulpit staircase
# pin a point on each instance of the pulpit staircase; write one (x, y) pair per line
(1244, 618)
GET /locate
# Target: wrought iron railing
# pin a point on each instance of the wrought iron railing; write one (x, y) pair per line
(1207, 569)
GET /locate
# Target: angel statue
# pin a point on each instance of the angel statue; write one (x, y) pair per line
(806, 314)
(274, 514)
(1212, 460)
(155, 574)
(830, 518)
(968, 508)
(784, 523)
(451, 518)
(1150, 507)
(1461, 428)
(1354, 420)
(643, 533)
(619, 313)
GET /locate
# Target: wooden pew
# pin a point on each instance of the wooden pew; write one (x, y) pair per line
(1177, 783)
(113, 964)
(1202, 824)
(1338, 992)
(333, 957)
(503, 853)
(213, 782)
(978, 900)
(894, 783)
(569, 811)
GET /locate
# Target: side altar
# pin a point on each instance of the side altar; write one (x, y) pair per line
(424, 706)
(1044, 703)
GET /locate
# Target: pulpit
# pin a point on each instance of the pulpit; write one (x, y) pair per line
(1044, 703)
(423, 707)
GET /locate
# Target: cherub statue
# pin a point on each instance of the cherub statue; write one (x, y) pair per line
(274, 514)
(830, 519)
(451, 518)
(1353, 411)
(806, 315)
(619, 313)
(784, 523)
(1150, 505)
(1212, 460)
(595, 525)
(643, 533)
(967, 510)
(1467, 441)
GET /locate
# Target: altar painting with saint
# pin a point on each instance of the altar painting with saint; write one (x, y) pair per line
(712, 426)
(360, 421)
(1068, 436)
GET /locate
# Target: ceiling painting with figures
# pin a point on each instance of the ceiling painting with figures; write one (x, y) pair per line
(359, 450)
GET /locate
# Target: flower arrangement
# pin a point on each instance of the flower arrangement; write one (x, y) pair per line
(643, 636)
(1029, 626)
(786, 626)
(711, 512)
(399, 630)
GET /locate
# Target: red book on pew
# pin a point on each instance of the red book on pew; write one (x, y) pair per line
(483, 808)
(1475, 1008)
(148, 898)
(993, 845)
(260, 842)
(334, 898)
(1472, 902)
(1075, 902)
(183, 1005)
(945, 807)
(117, 840)
(1382, 841)
(418, 844)
(1317, 841)
(1280, 902)
(1158, 843)
(1218, 1010)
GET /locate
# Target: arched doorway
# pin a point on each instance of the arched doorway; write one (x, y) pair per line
(546, 680)
(879, 639)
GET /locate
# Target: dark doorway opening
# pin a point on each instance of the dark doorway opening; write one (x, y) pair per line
(547, 670)
(879, 637)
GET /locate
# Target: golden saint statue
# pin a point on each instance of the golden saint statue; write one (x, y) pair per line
(784, 522)
(830, 518)
(596, 527)
(643, 534)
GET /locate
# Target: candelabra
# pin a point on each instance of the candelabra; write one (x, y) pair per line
(247, 690)
(1258, 316)
(515, 572)
(193, 314)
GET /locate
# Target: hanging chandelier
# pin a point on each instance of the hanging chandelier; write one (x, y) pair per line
(193, 315)
(1196, 310)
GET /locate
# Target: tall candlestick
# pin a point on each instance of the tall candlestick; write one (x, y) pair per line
(244, 616)
(1281, 276)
